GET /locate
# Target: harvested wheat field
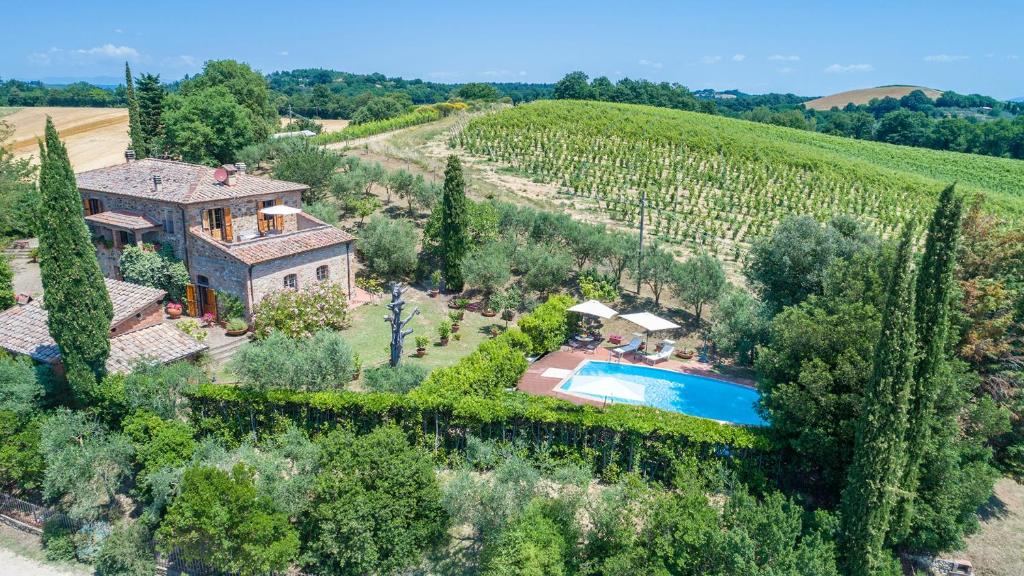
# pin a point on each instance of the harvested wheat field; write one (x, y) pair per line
(330, 125)
(864, 95)
(95, 137)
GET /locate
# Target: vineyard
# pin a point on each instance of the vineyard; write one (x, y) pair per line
(352, 131)
(720, 182)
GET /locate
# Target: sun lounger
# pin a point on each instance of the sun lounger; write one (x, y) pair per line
(632, 347)
(666, 351)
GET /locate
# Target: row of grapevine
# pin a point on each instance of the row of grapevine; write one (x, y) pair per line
(707, 180)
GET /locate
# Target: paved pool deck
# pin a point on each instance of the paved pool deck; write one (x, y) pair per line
(555, 364)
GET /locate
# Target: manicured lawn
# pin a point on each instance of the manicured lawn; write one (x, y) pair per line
(370, 335)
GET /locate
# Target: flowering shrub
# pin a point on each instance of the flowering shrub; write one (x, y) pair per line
(173, 308)
(301, 313)
(192, 328)
(209, 319)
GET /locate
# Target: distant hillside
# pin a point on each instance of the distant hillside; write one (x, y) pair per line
(864, 95)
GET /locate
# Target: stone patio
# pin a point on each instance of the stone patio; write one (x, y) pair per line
(536, 382)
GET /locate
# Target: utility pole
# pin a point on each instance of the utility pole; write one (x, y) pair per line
(640, 248)
(398, 326)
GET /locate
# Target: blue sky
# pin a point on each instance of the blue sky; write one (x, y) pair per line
(808, 48)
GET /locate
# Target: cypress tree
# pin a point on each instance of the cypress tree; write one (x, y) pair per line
(150, 94)
(454, 224)
(135, 134)
(75, 295)
(931, 317)
(875, 474)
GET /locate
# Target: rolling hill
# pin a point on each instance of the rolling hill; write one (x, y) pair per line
(722, 182)
(864, 95)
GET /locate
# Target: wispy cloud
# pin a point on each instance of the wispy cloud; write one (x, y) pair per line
(710, 59)
(181, 61)
(786, 70)
(282, 53)
(945, 58)
(844, 68)
(83, 55)
(110, 51)
(503, 73)
(739, 57)
(649, 64)
(784, 58)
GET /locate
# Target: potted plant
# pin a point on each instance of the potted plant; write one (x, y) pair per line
(444, 331)
(173, 310)
(494, 330)
(506, 302)
(435, 284)
(455, 317)
(421, 346)
(615, 339)
(357, 365)
(236, 326)
(209, 319)
(684, 353)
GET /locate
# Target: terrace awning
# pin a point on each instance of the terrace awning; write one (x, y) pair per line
(280, 210)
(594, 308)
(649, 322)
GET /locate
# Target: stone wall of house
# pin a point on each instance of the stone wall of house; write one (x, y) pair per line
(224, 273)
(269, 277)
(243, 213)
(149, 316)
(165, 212)
(109, 258)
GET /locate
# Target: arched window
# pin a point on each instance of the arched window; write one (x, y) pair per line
(291, 281)
(322, 273)
(202, 280)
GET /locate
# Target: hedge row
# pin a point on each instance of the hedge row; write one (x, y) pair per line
(352, 131)
(471, 399)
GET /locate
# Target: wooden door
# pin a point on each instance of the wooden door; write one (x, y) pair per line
(229, 232)
(210, 306)
(191, 305)
(279, 220)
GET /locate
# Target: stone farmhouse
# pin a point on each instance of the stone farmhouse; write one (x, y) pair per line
(137, 332)
(214, 221)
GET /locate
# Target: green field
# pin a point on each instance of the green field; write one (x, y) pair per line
(723, 182)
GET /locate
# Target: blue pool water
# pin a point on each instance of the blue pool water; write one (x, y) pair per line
(665, 389)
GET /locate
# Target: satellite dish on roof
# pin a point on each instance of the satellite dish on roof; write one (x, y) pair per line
(220, 175)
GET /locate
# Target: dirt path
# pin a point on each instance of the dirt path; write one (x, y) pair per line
(998, 547)
(22, 555)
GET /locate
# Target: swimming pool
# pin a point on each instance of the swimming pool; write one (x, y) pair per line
(665, 389)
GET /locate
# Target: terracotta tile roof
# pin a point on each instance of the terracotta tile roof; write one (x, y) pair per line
(180, 182)
(128, 299)
(23, 329)
(161, 343)
(127, 220)
(274, 247)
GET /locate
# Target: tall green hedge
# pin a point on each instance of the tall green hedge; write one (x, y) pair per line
(471, 398)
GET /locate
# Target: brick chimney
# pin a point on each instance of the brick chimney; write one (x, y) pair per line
(232, 174)
(129, 155)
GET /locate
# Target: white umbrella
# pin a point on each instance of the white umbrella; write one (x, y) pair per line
(649, 322)
(607, 387)
(280, 210)
(594, 308)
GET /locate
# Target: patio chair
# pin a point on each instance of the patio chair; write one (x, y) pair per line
(591, 347)
(665, 352)
(632, 347)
